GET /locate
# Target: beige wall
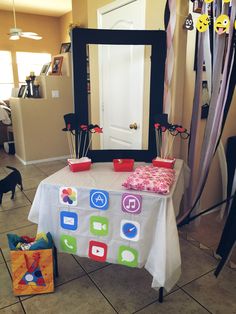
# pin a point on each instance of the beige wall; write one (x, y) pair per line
(38, 123)
(80, 12)
(46, 26)
(65, 21)
(34, 120)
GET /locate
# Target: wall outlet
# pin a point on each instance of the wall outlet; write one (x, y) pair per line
(55, 94)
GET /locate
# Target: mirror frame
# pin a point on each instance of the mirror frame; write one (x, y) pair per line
(157, 40)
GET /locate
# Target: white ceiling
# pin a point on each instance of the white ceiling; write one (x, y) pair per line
(41, 7)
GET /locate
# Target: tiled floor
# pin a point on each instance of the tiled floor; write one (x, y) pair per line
(89, 287)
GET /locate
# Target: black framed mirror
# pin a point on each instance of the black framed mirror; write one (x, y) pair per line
(81, 38)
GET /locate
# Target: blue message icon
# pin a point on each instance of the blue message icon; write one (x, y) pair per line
(69, 220)
(99, 199)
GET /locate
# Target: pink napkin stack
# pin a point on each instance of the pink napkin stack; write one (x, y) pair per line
(151, 179)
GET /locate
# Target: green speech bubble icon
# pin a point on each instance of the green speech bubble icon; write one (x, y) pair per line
(127, 256)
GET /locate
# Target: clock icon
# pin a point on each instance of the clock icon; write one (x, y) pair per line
(129, 230)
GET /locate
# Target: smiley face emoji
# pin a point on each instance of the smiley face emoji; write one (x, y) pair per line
(203, 23)
(208, 1)
(222, 24)
(226, 1)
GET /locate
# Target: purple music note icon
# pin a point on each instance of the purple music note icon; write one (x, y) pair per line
(131, 203)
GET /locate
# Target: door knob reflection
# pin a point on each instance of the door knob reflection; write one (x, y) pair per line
(133, 126)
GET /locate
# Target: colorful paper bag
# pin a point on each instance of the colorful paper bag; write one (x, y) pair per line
(32, 271)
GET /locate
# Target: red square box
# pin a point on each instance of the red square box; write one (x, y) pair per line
(79, 166)
(164, 163)
(123, 164)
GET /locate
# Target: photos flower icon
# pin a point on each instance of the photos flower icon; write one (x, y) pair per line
(68, 196)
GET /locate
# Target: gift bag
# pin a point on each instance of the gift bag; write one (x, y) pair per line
(32, 271)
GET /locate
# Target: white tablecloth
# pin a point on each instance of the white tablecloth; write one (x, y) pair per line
(75, 227)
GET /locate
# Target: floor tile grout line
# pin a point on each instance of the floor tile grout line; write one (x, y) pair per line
(8, 270)
(204, 251)
(45, 173)
(198, 243)
(88, 275)
(41, 170)
(5, 261)
(31, 224)
(195, 300)
(21, 303)
(70, 280)
(102, 293)
(7, 306)
(156, 301)
(95, 270)
(196, 278)
(209, 251)
(18, 207)
(92, 271)
(27, 197)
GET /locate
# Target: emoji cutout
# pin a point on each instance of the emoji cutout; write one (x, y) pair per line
(226, 1)
(208, 1)
(222, 24)
(188, 24)
(203, 23)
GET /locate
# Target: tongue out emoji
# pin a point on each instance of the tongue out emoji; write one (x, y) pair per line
(222, 24)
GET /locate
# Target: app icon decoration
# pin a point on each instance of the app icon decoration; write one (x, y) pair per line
(127, 256)
(130, 230)
(99, 225)
(68, 196)
(69, 220)
(97, 251)
(68, 244)
(131, 203)
(99, 199)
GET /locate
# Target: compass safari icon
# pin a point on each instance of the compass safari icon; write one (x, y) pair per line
(129, 230)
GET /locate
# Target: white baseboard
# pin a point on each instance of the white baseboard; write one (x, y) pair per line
(30, 162)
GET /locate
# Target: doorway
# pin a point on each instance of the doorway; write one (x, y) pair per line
(121, 78)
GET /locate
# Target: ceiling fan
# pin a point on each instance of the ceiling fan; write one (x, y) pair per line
(15, 33)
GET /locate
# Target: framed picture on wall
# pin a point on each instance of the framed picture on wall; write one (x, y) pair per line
(197, 6)
(22, 91)
(56, 65)
(65, 47)
(45, 68)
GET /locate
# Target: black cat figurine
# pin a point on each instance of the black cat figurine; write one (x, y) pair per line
(10, 182)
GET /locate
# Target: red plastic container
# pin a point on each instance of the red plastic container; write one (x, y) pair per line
(168, 163)
(123, 164)
(80, 166)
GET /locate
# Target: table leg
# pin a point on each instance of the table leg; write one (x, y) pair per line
(55, 261)
(160, 299)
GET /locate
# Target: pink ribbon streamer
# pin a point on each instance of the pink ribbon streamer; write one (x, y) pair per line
(169, 67)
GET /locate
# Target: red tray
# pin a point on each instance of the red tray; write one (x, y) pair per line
(80, 166)
(123, 164)
(169, 163)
